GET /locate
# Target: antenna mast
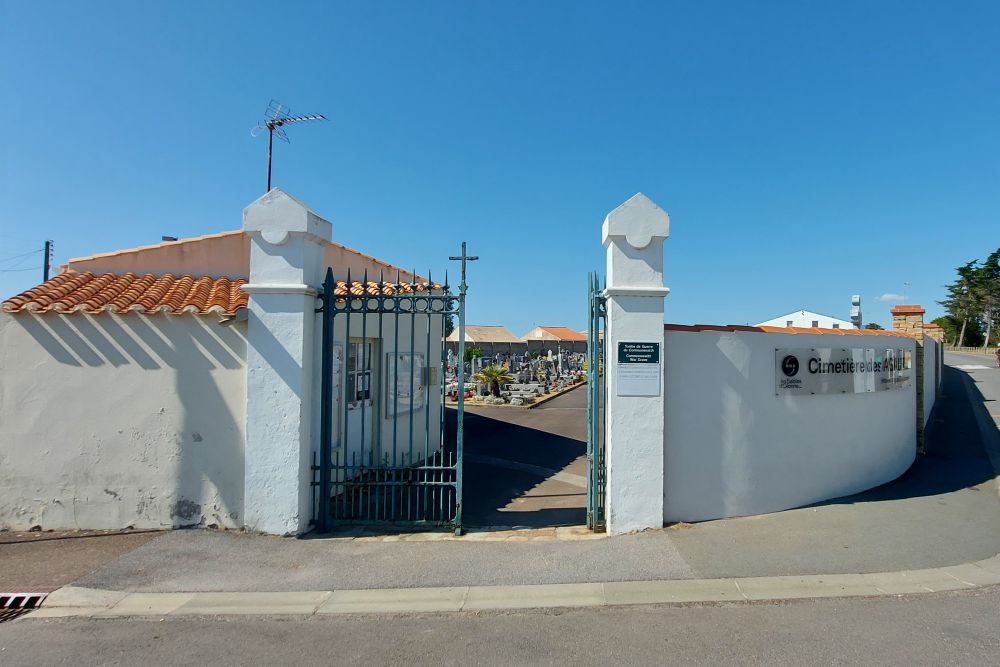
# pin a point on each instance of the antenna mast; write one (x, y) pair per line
(278, 115)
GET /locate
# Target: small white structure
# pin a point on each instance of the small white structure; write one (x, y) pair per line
(484, 334)
(188, 394)
(807, 319)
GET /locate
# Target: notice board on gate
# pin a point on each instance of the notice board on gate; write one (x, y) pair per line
(638, 369)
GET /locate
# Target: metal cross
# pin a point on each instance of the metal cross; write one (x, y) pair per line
(463, 258)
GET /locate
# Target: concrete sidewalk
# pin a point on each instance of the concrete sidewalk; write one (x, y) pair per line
(936, 528)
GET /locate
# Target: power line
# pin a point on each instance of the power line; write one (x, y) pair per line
(30, 268)
(23, 254)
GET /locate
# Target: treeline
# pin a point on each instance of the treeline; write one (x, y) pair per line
(973, 304)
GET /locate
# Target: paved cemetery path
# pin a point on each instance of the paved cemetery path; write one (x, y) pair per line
(527, 467)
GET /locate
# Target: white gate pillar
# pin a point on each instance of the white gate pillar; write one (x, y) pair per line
(633, 235)
(287, 244)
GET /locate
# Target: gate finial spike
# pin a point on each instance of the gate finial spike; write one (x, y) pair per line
(446, 279)
(364, 287)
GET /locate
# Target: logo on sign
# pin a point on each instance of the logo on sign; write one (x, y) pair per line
(790, 366)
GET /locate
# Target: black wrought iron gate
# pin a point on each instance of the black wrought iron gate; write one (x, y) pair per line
(596, 479)
(388, 454)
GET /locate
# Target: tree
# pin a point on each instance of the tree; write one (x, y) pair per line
(472, 352)
(961, 301)
(494, 376)
(951, 326)
(873, 326)
(987, 291)
(973, 301)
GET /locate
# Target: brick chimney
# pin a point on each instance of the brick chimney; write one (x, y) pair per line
(910, 320)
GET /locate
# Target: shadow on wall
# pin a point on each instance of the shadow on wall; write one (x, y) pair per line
(156, 401)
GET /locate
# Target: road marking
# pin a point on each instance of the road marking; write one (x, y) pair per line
(972, 367)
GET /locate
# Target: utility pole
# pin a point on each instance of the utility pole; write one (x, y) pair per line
(460, 426)
(48, 261)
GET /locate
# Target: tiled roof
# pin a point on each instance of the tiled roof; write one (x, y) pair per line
(907, 310)
(565, 333)
(72, 292)
(370, 288)
(785, 330)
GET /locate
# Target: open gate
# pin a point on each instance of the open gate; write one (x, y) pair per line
(596, 480)
(388, 452)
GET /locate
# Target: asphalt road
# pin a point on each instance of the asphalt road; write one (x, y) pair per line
(939, 629)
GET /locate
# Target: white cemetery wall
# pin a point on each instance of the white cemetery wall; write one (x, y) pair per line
(109, 421)
(733, 447)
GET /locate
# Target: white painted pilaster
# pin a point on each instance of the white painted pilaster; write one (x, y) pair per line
(633, 235)
(287, 242)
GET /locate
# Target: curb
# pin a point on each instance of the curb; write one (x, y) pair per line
(73, 601)
(548, 398)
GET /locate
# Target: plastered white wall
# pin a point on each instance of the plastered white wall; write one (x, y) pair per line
(224, 254)
(109, 421)
(734, 448)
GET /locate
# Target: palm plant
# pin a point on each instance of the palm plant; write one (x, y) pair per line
(494, 376)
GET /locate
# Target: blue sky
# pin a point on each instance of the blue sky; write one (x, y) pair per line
(804, 151)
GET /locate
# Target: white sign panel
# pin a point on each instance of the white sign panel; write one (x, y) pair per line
(638, 369)
(831, 370)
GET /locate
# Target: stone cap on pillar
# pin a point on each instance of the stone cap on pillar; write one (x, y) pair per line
(633, 235)
(639, 220)
(277, 214)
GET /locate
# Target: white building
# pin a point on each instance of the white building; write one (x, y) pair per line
(180, 384)
(807, 318)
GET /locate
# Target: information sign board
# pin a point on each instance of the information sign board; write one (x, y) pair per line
(638, 369)
(829, 370)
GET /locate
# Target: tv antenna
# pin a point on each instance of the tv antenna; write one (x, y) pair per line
(278, 115)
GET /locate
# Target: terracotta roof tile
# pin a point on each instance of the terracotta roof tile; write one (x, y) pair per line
(73, 292)
(564, 333)
(372, 288)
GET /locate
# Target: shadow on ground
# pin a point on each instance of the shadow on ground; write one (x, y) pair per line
(955, 457)
(494, 494)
